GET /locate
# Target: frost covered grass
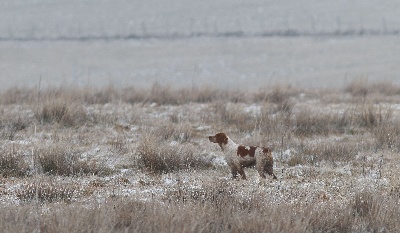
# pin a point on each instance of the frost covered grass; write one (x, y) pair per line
(139, 160)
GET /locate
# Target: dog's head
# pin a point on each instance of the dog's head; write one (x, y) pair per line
(219, 138)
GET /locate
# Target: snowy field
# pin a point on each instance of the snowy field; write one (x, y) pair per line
(224, 43)
(134, 156)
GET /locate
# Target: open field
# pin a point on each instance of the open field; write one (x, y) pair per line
(107, 159)
(105, 109)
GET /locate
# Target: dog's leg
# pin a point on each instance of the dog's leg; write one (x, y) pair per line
(260, 165)
(261, 173)
(270, 171)
(234, 172)
(241, 172)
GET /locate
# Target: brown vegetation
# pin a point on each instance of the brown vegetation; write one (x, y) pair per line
(127, 159)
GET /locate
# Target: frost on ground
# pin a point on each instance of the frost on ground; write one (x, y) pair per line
(154, 152)
(114, 132)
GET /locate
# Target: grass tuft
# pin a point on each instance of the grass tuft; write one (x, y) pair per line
(159, 157)
(62, 112)
(64, 161)
(13, 165)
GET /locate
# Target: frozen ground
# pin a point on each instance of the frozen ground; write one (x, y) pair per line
(225, 43)
(332, 182)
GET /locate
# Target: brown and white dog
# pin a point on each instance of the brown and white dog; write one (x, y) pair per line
(239, 157)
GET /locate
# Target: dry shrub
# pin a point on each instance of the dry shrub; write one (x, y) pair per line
(63, 112)
(17, 95)
(159, 157)
(180, 132)
(357, 87)
(368, 116)
(99, 96)
(274, 125)
(162, 94)
(336, 219)
(387, 135)
(234, 115)
(364, 204)
(338, 151)
(10, 127)
(12, 164)
(300, 159)
(204, 94)
(281, 97)
(374, 212)
(277, 95)
(309, 124)
(384, 127)
(361, 87)
(63, 160)
(46, 191)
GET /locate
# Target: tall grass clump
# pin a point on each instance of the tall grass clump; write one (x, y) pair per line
(312, 153)
(308, 124)
(12, 164)
(62, 112)
(361, 87)
(8, 128)
(387, 135)
(159, 157)
(65, 161)
(278, 96)
(16, 95)
(179, 132)
(370, 117)
(234, 115)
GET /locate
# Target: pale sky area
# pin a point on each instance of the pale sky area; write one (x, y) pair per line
(228, 44)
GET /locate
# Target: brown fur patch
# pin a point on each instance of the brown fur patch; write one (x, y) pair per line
(266, 150)
(221, 138)
(243, 151)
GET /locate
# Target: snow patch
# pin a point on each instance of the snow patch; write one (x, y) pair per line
(203, 128)
(284, 156)
(169, 181)
(174, 143)
(253, 109)
(22, 142)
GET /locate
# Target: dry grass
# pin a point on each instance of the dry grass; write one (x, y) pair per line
(233, 115)
(9, 127)
(66, 113)
(159, 157)
(339, 151)
(365, 212)
(308, 123)
(177, 182)
(60, 159)
(45, 191)
(361, 87)
(13, 164)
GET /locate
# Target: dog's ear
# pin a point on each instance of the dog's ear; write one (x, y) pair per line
(221, 138)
